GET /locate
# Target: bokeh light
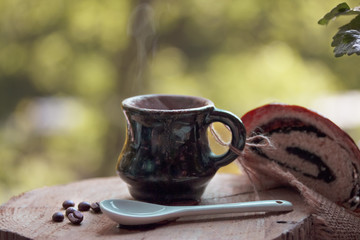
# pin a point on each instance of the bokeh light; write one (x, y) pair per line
(65, 67)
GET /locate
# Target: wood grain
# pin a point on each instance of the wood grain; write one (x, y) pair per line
(28, 216)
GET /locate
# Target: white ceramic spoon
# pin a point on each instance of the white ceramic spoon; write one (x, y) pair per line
(129, 212)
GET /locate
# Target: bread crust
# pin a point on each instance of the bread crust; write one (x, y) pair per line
(310, 146)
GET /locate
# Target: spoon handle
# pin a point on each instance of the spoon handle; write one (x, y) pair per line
(254, 206)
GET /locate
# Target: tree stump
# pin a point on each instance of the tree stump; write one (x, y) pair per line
(28, 216)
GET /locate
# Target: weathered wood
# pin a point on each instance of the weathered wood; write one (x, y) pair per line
(29, 215)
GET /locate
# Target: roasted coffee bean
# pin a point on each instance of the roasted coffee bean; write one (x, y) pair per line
(68, 203)
(84, 206)
(95, 207)
(75, 217)
(58, 217)
(70, 210)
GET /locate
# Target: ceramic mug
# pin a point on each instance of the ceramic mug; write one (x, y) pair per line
(166, 156)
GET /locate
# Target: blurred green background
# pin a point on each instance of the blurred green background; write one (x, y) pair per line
(65, 67)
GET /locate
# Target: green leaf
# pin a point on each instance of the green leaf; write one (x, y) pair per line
(347, 39)
(341, 9)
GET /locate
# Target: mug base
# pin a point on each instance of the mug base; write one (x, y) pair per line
(173, 193)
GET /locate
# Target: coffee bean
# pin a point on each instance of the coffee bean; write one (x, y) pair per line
(70, 210)
(75, 217)
(84, 206)
(58, 217)
(95, 207)
(68, 203)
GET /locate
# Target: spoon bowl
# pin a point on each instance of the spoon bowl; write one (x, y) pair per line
(129, 212)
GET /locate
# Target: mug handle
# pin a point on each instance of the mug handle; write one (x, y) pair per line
(238, 135)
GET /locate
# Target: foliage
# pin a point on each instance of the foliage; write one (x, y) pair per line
(347, 39)
(65, 67)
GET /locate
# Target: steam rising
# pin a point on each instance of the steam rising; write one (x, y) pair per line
(142, 28)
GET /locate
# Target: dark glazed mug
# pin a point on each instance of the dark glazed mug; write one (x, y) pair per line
(166, 157)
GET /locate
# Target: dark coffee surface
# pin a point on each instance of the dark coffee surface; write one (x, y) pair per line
(166, 102)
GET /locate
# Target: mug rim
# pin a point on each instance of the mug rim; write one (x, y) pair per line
(129, 103)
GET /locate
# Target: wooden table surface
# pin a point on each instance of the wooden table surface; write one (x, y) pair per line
(28, 216)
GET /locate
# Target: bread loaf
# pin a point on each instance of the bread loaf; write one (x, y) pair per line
(311, 147)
